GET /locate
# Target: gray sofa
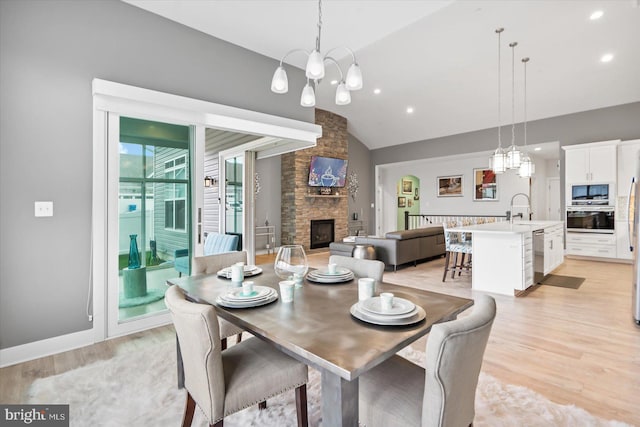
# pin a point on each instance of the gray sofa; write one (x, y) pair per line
(403, 246)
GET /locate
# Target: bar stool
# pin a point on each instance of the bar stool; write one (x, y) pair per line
(456, 242)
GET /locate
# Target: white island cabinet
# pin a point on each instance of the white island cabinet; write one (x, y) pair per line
(503, 254)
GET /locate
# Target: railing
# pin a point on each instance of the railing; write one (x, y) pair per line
(412, 221)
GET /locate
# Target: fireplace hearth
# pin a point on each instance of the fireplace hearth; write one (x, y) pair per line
(322, 233)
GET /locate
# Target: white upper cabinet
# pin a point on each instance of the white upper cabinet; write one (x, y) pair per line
(591, 163)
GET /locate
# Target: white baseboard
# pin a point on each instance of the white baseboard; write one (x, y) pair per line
(34, 350)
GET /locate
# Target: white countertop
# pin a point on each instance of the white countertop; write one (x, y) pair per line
(507, 227)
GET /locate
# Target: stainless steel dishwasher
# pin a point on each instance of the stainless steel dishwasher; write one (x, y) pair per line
(538, 256)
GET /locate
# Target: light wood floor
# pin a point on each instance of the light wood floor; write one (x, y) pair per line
(573, 346)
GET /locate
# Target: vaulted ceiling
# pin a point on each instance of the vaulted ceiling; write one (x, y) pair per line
(440, 57)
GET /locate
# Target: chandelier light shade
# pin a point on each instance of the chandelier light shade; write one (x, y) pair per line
(315, 66)
(343, 96)
(315, 70)
(308, 97)
(354, 77)
(280, 83)
(527, 167)
(498, 161)
(513, 153)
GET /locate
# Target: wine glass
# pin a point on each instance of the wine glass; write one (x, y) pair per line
(290, 260)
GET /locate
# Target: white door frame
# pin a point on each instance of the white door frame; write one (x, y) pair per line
(152, 105)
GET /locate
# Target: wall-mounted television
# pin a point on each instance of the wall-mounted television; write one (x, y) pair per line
(327, 172)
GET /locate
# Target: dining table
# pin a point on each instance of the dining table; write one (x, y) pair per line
(317, 328)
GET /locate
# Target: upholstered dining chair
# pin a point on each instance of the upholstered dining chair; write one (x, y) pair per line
(211, 264)
(223, 382)
(360, 267)
(456, 243)
(400, 393)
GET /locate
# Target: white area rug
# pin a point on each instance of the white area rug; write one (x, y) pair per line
(139, 389)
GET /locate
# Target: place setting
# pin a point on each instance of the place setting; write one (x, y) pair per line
(330, 274)
(247, 296)
(385, 309)
(247, 271)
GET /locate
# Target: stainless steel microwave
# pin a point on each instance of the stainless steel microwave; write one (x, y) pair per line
(590, 194)
(591, 219)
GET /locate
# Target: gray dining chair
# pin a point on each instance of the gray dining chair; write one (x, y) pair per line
(223, 382)
(211, 264)
(360, 267)
(400, 393)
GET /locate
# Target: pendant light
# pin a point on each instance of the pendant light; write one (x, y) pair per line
(513, 153)
(315, 70)
(527, 167)
(497, 162)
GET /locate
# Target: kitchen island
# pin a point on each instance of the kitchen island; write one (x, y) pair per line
(505, 256)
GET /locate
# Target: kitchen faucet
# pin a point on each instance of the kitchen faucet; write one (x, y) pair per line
(511, 206)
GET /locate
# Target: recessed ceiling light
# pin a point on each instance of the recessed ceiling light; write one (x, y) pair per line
(607, 57)
(537, 149)
(376, 91)
(409, 110)
(334, 82)
(596, 15)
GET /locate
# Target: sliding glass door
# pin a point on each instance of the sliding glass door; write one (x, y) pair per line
(151, 214)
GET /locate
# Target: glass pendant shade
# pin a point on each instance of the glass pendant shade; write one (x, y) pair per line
(315, 66)
(343, 96)
(308, 97)
(354, 77)
(527, 167)
(498, 162)
(513, 157)
(280, 83)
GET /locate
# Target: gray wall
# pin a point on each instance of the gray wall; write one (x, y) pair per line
(619, 122)
(50, 51)
(269, 200)
(360, 163)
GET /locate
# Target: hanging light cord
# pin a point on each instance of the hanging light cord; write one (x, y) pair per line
(499, 31)
(513, 92)
(525, 60)
(319, 25)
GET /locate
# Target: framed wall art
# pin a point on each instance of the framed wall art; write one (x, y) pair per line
(402, 202)
(407, 186)
(416, 195)
(485, 185)
(450, 186)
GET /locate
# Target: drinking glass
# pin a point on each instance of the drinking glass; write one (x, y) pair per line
(290, 260)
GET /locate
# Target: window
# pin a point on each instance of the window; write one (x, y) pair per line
(175, 197)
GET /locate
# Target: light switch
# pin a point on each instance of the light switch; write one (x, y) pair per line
(44, 209)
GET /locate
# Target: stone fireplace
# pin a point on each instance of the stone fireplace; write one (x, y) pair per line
(302, 204)
(322, 233)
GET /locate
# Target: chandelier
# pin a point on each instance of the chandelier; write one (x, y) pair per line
(315, 71)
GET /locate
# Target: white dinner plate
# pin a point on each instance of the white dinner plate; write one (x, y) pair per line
(334, 279)
(259, 292)
(246, 304)
(340, 271)
(400, 306)
(383, 317)
(418, 317)
(248, 272)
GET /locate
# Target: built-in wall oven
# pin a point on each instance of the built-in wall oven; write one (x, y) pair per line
(591, 219)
